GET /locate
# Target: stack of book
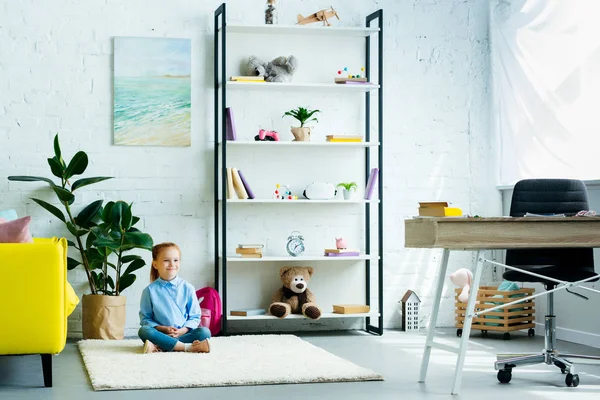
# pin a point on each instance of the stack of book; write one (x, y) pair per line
(351, 308)
(247, 312)
(342, 252)
(351, 80)
(344, 138)
(237, 185)
(438, 209)
(249, 250)
(247, 78)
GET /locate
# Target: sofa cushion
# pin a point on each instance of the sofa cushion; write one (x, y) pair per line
(16, 231)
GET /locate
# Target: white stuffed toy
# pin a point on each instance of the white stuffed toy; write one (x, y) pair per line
(462, 278)
(280, 69)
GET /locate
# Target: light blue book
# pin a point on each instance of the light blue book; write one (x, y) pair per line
(246, 312)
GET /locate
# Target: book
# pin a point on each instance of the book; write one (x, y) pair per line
(438, 209)
(341, 250)
(348, 254)
(251, 246)
(344, 137)
(252, 250)
(371, 183)
(351, 308)
(247, 78)
(238, 186)
(229, 125)
(255, 255)
(229, 184)
(245, 312)
(246, 186)
(344, 140)
(346, 80)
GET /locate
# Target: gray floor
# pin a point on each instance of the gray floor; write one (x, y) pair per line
(396, 355)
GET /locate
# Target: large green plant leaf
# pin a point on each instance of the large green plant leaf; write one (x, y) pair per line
(22, 178)
(127, 219)
(72, 263)
(88, 181)
(75, 231)
(57, 153)
(113, 245)
(86, 215)
(130, 258)
(137, 240)
(125, 281)
(134, 266)
(77, 166)
(50, 208)
(55, 167)
(116, 214)
(63, 194)
(107, 211)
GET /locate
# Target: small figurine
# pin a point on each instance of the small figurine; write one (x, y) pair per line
(340, 243)
(283, 194)
(319, 16)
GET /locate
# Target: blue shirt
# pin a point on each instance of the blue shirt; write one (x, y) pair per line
(170, 303)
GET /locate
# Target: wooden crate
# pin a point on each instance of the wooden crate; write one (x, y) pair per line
(512, 318)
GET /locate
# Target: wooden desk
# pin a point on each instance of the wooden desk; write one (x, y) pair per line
(502, 232)
(452, 233)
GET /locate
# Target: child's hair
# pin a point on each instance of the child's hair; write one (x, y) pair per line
(155, 253)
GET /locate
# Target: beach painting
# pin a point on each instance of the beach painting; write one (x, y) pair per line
(152, 92)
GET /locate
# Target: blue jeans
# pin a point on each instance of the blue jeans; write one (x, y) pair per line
(166, 342)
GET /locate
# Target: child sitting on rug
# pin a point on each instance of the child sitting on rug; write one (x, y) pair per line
(169, 309)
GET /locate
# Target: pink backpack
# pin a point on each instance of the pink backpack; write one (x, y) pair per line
(210, 304)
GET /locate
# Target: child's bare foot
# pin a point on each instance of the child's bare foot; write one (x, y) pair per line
(150, 347)
(200, 346)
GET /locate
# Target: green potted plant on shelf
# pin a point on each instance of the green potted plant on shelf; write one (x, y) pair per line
(349, 189)
(303, 115)
(102, 237)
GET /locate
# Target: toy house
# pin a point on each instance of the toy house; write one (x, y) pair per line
(411, 305)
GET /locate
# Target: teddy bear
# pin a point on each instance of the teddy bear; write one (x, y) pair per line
(462, 278)
(280, 69)
(294, 297)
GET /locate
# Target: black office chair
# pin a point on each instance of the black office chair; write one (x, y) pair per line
(548, 196)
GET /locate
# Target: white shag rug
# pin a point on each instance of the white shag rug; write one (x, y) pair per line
(234, 360)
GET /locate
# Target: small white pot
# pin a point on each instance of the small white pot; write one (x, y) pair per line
(348, 194)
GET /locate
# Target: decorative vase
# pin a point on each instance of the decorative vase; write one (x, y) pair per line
(301, 134)
(103, 317)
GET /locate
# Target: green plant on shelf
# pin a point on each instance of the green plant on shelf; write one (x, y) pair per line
(303, 115)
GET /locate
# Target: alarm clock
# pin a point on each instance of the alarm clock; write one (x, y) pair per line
(295, 244)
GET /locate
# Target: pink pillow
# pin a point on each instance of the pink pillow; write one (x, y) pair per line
(16, 231)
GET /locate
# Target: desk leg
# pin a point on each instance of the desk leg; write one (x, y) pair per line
(464, 342)
(434, 314)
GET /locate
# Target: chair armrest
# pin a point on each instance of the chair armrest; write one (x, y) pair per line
(33, 285)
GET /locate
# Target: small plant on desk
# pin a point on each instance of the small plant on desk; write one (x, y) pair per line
(349, 187)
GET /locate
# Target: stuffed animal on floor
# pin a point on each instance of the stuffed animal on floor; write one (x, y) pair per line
(462, 278)
(294, 296)
(280, 69)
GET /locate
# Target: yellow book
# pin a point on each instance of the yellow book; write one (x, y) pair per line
(238, 186)
(344, 140)
(438, 209)
(229, 184)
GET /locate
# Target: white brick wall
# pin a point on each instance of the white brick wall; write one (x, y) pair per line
(56, 76)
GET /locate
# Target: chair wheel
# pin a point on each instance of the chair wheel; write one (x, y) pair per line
(531, 332)
(504, 375)
(506, 336)
(562, 370)
(484, 333)
(459, 332)
(572, 380)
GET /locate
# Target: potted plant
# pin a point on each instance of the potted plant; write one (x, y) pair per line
(349, 188)
(102, 237)
(304, 115)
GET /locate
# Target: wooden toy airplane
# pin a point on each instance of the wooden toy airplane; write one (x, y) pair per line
(318, 16)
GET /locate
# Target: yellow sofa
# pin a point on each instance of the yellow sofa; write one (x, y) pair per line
(36, 299)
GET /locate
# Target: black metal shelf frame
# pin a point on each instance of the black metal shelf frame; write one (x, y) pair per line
(220, 173)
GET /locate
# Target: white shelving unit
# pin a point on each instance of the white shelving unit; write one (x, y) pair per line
(373, 253)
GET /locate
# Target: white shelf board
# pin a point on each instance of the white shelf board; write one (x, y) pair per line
(240, 143)
(302, 258)
(372, 314)
(302, 30)
(231, 85)
(299, 201)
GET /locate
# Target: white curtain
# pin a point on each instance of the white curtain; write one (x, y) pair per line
(546, 80)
